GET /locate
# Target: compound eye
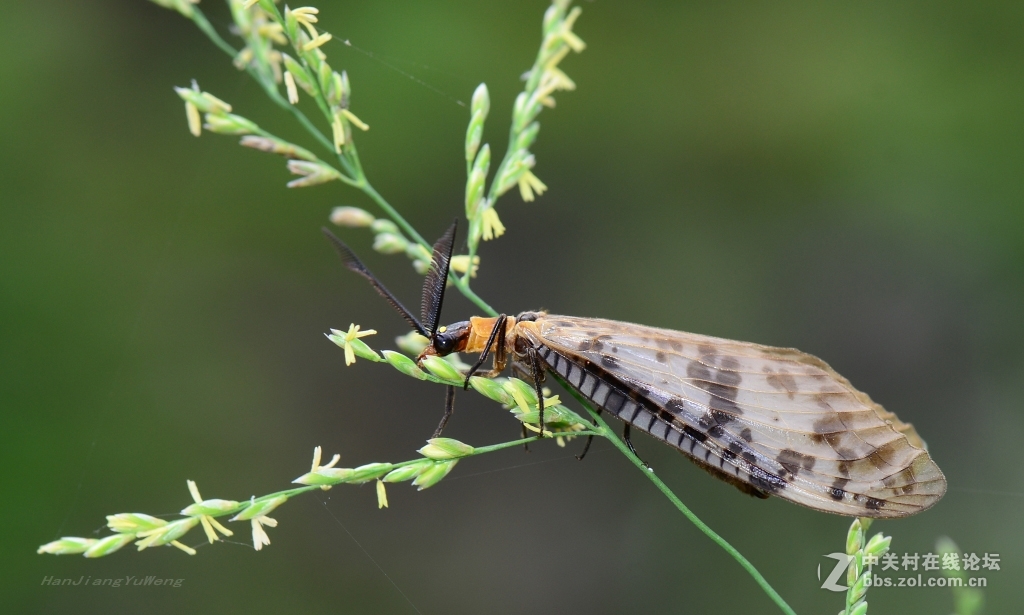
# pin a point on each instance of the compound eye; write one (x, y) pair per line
(444, 344)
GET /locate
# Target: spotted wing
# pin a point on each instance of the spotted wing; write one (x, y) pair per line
(777, 419)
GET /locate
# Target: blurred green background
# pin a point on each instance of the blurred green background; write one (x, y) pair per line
(843, 179)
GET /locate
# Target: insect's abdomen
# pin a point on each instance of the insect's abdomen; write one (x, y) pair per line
(609, 394)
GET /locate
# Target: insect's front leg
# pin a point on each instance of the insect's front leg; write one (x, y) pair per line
(537, 372)
(498, 332)
(586, 447)
(629, 443)
(449, 409)
(500, 354)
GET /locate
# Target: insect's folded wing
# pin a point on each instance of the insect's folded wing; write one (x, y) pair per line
(776, 410)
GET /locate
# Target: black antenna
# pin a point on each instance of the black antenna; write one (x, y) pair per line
(354, 264)
(436, 280)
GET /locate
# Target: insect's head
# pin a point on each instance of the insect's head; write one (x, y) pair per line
(448, 339)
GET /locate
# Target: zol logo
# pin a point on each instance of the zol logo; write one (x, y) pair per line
(842, 563)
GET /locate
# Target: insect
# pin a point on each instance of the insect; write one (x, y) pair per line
(770, 421)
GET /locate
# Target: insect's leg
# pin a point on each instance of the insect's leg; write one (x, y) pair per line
(520, 372)
(538, 375)
(625, 437)
(499, 326)
(449, 409)
(586, 447)
(500, 355)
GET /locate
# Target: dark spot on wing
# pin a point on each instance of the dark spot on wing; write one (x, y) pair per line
(609, 361)
(845, 453)
(877, 461)
(721, 384)
(615, 349)
(836, 491)
(824, 398)
(903, 481)
(873, 504)
(732, 364)
(747, 435)
(766, 481)
(794, 461)
(660, 357)
(699, 371)
(722, 418)
(716, 432)
(844, 468)
(782, 381)
(735, 447)
(706, 349)
(723, 404)
(676, 406)
(674, 345)
(693, 433)
(749, 456)
(829, 424)
(585, 345)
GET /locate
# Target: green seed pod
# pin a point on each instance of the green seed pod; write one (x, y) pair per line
(409, 472)
(359, 347)
(209, 507)
(445, 448)
(313, 173)
(389, 243)
(346, 90)
(433, 475)
(859, 589)
(352, 217)
(527, 136)
(553, 17)
(132, 523)
(106, 546)
(68, 545)
(259, 509)
(324, 73)
(277, 146)
(516, 388)
(368, 472)
(204, 101)
(299, 73)
(229, 124)
(491, 390)
(481, 103)
(382, 225)
(174, 530)
(474, 134)
(404, 364)
(334, 90)
(325, 476)
(855, 537)
(291, 25)
(443, 369)
(878, 544)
